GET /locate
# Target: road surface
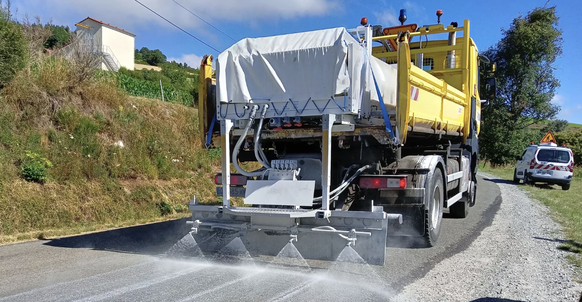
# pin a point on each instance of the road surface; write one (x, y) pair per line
(125, 265)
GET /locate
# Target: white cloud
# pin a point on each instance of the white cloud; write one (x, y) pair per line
(130, 15)
(387, 17)
(579, 107)
(558, 100)
(191, 59)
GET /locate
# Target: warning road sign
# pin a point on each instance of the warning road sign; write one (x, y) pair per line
(549, 138)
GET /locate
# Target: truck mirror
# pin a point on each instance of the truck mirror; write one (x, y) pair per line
(490, 87)
(518, 158)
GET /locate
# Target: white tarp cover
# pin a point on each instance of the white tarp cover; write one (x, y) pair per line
(311, 65)
(386, 77)
(295, 66)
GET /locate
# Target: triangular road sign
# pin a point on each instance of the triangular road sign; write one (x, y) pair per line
(549, 138)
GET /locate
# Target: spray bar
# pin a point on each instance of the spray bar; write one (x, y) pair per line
(330, 229)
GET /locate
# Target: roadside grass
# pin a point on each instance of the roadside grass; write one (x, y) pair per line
(565, 206)
(114, 160)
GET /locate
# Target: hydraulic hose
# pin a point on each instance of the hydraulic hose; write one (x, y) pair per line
(252, 115)
(345, 183)
(259, 155)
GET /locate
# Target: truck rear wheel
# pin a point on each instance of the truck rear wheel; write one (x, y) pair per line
(434, 209)
(460, 209)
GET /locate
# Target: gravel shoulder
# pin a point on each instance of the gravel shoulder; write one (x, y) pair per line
(516, 258)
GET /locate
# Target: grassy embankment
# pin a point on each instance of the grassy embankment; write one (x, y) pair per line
(565, 206)
(114, 160)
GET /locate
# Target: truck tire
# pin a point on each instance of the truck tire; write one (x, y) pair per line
(515, 179)
(434, 209)
(566, 187)
(460, 209)
(473, 196)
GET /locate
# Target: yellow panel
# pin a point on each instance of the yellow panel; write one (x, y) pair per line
(440, 98)
(205, 78)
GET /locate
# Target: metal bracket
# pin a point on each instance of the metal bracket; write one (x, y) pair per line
(351, 237)
(327, 121)
(323, 214)
(195, 226)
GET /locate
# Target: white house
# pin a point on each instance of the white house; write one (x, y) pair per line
(115, 45)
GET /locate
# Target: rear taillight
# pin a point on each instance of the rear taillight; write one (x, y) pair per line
(378, 182)
(235, 179)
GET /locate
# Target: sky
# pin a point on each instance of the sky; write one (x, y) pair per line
(238, 19)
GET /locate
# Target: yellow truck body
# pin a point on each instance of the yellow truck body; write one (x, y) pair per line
(444, 94)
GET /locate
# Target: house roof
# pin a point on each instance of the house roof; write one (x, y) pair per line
(108, 25)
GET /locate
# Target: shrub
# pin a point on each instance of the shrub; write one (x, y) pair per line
(164, 208)
(572, 139)
(13, 48)
(34, 168)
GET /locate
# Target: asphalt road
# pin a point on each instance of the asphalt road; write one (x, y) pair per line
(124, 265)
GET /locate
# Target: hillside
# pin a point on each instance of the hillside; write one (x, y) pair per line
(78, 154)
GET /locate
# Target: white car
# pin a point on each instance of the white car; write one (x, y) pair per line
(545, 163)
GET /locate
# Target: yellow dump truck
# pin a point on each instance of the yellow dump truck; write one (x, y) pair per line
(360, 135)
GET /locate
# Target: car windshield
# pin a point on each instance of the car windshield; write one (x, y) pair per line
(556, 156)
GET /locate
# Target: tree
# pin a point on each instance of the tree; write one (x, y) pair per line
(555, 126)
(138, 57)
(152, 57)
(61, 35)
(13, 47)
(525, 83)
(572, 139)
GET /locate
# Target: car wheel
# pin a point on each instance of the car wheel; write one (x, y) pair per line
(566, 187)
(515, 179)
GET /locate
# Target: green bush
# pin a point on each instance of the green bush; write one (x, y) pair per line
(34, 168)
(572, 139)
(13, 48)
(164, 208)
